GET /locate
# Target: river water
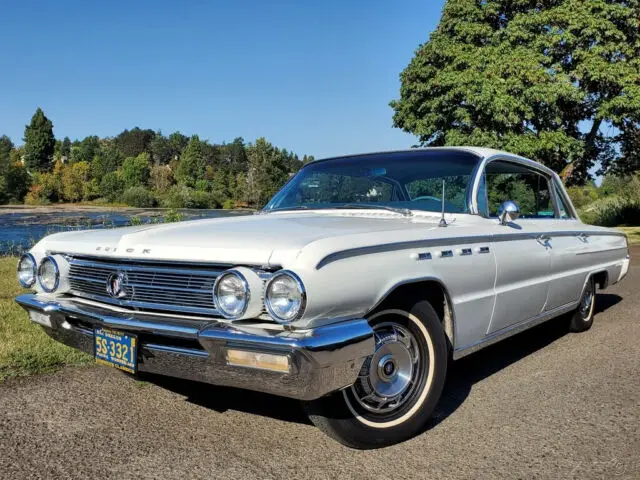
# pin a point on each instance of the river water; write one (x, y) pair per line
(20, 230)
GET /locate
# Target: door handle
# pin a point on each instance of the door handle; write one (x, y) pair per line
(543, 240)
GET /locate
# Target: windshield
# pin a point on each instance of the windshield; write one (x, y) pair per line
(398, 180)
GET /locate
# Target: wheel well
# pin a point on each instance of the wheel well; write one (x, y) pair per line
(601, 279)
(405, 296)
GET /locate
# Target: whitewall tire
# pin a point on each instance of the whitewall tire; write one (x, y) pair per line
(398, 386)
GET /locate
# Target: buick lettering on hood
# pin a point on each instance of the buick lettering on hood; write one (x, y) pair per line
(351, 291)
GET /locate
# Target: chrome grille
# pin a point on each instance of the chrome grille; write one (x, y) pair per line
(153, 286)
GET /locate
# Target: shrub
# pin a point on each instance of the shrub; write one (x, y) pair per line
(228, 204)
(582, 196)
(173, 216)
(36, 196)
(138, 197)
(612, 211)
(181, 196)
(202, 185)
(111, 186)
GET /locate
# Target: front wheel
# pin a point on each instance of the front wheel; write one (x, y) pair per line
(398, 386)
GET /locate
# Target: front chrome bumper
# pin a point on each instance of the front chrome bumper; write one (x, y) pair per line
(322, 360)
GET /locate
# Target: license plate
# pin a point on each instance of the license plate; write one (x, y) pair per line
(116, 349)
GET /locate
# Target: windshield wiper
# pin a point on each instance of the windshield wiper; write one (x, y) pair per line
(402, 211)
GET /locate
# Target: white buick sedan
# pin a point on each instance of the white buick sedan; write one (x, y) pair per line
(352, 290)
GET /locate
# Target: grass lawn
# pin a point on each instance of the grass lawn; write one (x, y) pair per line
(633, 234)
(24, 347)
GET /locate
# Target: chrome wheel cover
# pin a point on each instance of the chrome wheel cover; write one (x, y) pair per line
(586, 304)
(389, 376)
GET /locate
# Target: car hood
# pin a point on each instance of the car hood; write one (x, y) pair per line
(266, 239)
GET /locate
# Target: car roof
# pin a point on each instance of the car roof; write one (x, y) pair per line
(482, 153)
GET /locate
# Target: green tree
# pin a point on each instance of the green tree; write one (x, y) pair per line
(6, 145)
(266, 172)
(16, 181)
(132, 143)
(160, 147)
(111, 186)
(544, 79)
(74, 178)
(135, 170)
(192, 163)
(233, 156)
(108, 159)
(39, 142)
(65, 148)
(629, 161)
(85, 150)
(161, 178)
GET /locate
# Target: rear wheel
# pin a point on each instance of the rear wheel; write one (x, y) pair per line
(398, 386)
(582, 318)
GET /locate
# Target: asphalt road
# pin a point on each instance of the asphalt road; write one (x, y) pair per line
(544, 404)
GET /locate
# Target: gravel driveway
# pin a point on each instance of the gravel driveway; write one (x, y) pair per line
(544, 404)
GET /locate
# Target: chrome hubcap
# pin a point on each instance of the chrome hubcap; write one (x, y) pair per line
(388, 377)
(585, 305)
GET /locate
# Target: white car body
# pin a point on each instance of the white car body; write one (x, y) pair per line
(496, 279)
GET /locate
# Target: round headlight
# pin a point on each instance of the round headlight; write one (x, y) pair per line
(27, 270)
(285, 297)
(231, 294)
(49, 275)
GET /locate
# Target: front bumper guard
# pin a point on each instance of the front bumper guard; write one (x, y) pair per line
(322, 360)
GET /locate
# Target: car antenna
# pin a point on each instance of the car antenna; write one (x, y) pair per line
(443, 222)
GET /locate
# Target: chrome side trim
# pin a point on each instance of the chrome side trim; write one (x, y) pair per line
(507, 332)
(389, 247)
(602, 251)
(426, 243)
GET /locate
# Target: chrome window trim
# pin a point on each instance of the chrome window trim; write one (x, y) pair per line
(541, 169)
(560, 190)
(546, 173)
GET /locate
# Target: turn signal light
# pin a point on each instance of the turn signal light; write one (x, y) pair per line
(263, 361)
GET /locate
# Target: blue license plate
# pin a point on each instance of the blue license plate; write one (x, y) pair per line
(116, 349)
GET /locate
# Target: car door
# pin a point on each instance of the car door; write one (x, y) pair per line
(570, 247)
(522, 255)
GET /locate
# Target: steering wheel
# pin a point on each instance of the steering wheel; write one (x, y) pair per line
(426, 197)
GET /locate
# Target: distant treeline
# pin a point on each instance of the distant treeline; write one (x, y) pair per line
(141, 168)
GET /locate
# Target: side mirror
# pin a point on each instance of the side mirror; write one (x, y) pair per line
(508, 212)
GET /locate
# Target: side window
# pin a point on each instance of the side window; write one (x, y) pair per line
(512, 181)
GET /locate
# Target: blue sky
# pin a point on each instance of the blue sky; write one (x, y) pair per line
(315, 77)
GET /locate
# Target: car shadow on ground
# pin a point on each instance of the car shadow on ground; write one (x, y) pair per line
(463, 374)
(467, 371)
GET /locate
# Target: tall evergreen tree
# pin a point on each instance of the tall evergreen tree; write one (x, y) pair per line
(39, 142)
(6, 145)
(545, 79)
(192, 163)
